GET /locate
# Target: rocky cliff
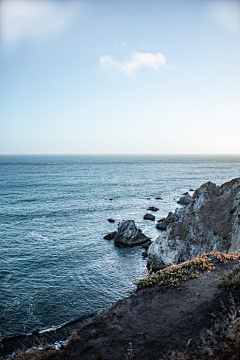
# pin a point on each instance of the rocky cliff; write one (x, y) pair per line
(210, 222)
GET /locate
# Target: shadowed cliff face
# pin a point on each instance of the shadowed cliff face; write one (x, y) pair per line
(211, 222)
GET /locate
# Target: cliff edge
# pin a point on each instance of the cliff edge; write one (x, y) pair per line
(210, 222)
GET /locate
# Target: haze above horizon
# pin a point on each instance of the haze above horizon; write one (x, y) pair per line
(120, 77)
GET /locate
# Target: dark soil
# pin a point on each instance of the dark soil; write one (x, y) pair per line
(154, 323)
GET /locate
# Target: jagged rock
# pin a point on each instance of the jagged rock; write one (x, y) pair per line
(152, 208)
(111, 220)
(206, 224)
(110, 236)
(185, 200)
(185, 193)
(149, 217)
(208, 187)
(129, 234)
(162, 224)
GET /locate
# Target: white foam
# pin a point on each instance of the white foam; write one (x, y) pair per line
(56, 346)
(53, 328)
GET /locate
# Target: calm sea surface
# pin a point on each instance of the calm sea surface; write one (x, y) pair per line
(55, 266)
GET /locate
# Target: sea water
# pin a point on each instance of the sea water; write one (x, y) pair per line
(55, 266)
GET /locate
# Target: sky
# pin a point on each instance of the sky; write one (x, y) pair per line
(120, 77)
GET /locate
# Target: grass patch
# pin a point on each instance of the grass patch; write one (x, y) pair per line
(230, 281)
(170, 276)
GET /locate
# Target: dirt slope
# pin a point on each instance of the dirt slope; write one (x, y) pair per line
(154, 322)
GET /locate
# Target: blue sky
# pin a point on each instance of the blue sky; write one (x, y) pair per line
(120, 77)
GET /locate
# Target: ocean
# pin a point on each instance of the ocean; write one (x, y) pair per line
(55, 266)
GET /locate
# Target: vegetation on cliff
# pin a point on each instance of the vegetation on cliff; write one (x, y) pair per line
(173, 274)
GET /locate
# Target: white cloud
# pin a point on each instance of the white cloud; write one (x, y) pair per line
(27, 19)
(226, 14)
(130, 65)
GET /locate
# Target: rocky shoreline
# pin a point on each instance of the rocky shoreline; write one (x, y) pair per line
(151, 324)
(207, 221)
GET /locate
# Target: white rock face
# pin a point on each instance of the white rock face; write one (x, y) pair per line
(129, 234)
(211, 222)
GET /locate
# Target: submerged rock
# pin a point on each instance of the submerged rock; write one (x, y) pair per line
(207, 224)
(149, 217)
(152, 208)
(129, 234)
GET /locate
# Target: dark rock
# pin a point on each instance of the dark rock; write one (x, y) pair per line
(147, 244)
(110, 199)
(208, 187)
(163, 223)
(158, 198)
(148, 198)
(110, 236)
(111, 220)
(152, 208)
(186, 193)
(191, 190)
(185, 200)
(149, 217)
(129, 234)
(144, 253)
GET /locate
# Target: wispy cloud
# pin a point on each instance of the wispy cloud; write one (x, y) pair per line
(226, 14)
(110, 65)
(27, 19)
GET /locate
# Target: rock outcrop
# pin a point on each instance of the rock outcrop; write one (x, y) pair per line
(129, 234)
(110, 236)
(153, 208)
(149, 217)
(185, 200)
(163, 223)
(210, 222)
